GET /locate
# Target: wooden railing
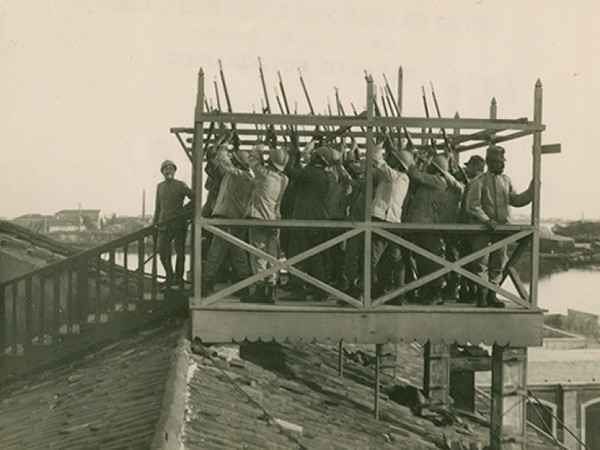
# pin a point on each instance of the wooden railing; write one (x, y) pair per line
(39, 307)
(518, 235)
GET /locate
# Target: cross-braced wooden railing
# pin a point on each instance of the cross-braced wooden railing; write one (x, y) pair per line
(39, 307)
(468, 133)
(508, 235)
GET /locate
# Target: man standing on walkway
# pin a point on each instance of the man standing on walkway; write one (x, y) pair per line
(170, 195)
(488, 202)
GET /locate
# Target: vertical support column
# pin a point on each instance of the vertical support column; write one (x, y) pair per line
(341, 358)
(569, 418)
(377, 378)
(462, 389)
(3, 321)
(436, 373)
(537, 183)
(509, 395)
(493, 116)
(197, 183)
(368, 195)
(456, 133)
(399, 100)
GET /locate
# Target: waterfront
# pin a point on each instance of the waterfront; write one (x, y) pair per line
(576, 288)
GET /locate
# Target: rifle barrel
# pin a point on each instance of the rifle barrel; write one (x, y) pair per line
(264, 86)
(227, 99)
(310, 105)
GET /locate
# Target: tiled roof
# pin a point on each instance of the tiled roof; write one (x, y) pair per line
(109, 399)
(290, 396)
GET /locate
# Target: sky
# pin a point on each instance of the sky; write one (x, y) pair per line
(90, 88)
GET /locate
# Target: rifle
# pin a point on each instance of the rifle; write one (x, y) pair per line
(411, 145)
(388, 144)
(447, 144)
(310, 105)
(293, 135)
(432, 141)
(234, 136)
(217, 95)
(270, 137)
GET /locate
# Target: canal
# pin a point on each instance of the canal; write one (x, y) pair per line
(577, 288)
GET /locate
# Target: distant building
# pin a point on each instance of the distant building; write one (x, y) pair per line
(90, 218)
(33, 222)
(551, 243)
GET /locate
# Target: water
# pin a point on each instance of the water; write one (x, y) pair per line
(575, 289)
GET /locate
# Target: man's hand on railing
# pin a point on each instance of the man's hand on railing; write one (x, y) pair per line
(491, 225)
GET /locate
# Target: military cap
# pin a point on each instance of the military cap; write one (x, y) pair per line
(495, 152)
(475, 159)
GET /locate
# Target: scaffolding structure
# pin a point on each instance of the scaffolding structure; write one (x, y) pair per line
(220, 318)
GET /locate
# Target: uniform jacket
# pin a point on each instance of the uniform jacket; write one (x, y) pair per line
(312, 190)
(235, 190)
(490, 198)
(427, 202)
(170, 195)
(390, 191)
(269, 186)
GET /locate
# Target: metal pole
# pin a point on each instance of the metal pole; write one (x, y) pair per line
(536, 206)
(197, 184)
(368, 194)
(341, 358)
(377, 377)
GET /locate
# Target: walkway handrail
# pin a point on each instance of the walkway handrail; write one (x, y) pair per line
(99, 249)
(60, 298)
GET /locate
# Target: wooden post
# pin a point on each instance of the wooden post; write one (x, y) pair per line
(368, 195)
(3, 321)
(436, 373)
(400, 88)
(377, 378)
(462, 389)
(493, 116)
(141, 259)
(509, 398)
(197, 183)
(456, 133)
(341, 359)
(535, 208)
(399, 101)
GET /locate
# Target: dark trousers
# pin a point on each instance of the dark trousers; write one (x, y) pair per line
(167, 239)
(302, 240)
(434, 244)
(220, 249)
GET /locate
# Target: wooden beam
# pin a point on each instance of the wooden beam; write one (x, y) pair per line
(375, 121)
(238, 321)
(436, 373)
(509, 394)
(471, 363)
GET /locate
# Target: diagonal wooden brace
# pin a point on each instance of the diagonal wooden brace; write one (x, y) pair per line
(448, 266)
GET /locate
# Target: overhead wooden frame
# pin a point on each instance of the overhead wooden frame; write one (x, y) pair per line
(467, 133)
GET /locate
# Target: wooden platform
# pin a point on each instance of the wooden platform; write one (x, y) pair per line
(233, 321)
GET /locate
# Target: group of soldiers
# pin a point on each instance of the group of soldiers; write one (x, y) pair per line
(326, 183)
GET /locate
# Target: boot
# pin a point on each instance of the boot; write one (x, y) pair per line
(493, 301)
(271, 296)
(206, 288)
(244, 295)
(258, 296)
(320, 296)
(481, 297)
